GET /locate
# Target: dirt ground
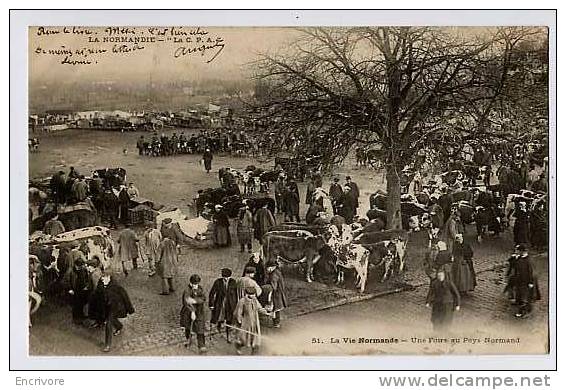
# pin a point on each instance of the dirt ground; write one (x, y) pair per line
(174, 181)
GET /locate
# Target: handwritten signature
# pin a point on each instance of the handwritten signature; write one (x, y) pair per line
(203, 49)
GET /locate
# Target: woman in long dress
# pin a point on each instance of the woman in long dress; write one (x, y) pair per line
(444, 298)
(221, 228)
(463, 273)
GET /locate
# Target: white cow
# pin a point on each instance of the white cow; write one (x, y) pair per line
(349, 255)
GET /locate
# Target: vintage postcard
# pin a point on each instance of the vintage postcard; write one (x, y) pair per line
(352, 190)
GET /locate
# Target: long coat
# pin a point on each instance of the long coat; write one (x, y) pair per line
(167, 259)
(277, 282)
(222, 229)
(355, 192)
(524, 278)
(207, 158)
(463, 272)
(172, 231)
(348, 206)
(198, 308)
(247, 317)
(263, 221)
(444, 297)
(127, 246)
(521, 227)
(110, 301)
(222, 299)
(292, 202)
(151, 240)
(245, 229)
(452, 227)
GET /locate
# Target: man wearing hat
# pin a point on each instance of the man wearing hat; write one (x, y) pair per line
(222, 300)
(192, 312)
(279, 191)
(256, 262)
(248, 281)
(523, 281)
(167, 265)
(245, 228)
(171, 231)
(246, 316)
(355, 191)
(128, 251)
(335, 192)
(79, 291)
(263, 220)
(207, 160)
(115, 303)
(279, 295)
(151, 240)
(444, 298)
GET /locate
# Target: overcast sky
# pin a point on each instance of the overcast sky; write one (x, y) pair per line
(158, 59)
(241, 47)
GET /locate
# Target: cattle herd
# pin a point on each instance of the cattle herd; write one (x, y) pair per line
(327, 246)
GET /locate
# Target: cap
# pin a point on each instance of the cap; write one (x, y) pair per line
(194, 279)
(226, 272)
(348, 178)
(249, 270)
(250, 290)
(167, 220)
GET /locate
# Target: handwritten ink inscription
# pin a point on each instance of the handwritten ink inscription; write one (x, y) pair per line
(83, 46)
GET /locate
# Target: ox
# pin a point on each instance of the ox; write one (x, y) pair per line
(349, 255)
(53, 252)
(293, 246)
(386, 248)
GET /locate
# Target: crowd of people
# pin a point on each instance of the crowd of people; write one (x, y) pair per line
(215, 140)
(235, 304)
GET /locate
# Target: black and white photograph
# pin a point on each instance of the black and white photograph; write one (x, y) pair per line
(264, 191)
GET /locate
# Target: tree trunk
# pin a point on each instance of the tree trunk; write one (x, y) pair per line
(393, 198)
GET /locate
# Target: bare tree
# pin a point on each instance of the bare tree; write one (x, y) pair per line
(401, 89)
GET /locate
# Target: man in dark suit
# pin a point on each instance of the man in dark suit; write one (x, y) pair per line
(222, 300)
(524, 281)
(335, 192)
(355, 191)
(444, 298)
(115, 304)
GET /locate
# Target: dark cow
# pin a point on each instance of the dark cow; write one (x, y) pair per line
(378, 200)
(293, 246)
(410, 215)
(214, 196)
(487, 219)
(233, 204)
(467, 211)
